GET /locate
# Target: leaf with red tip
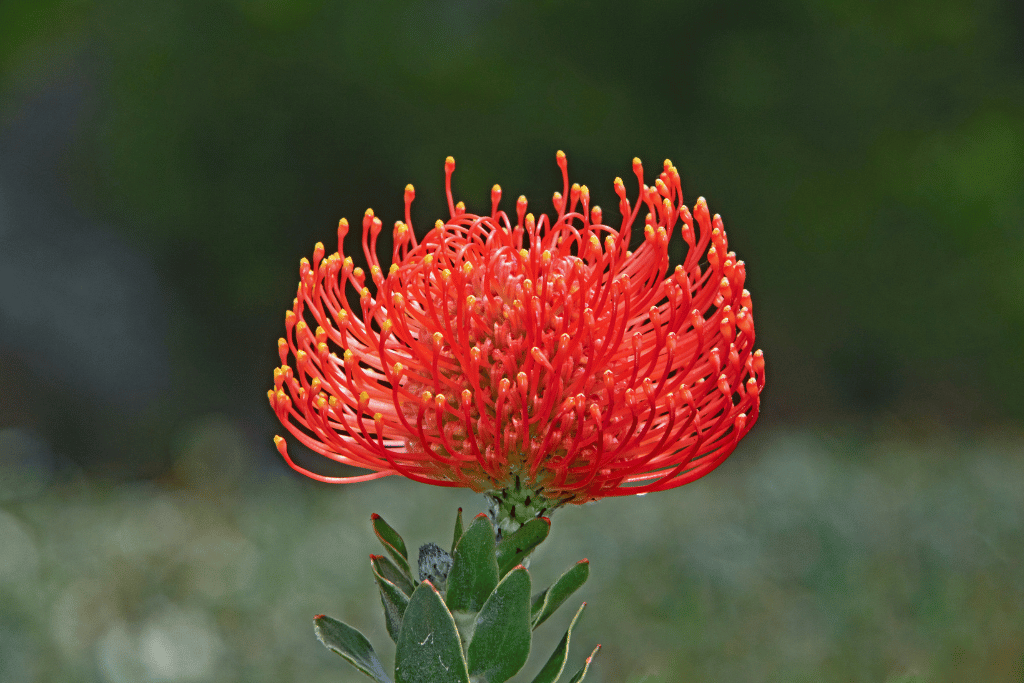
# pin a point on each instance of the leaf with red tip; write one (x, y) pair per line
(392, 542)
(586, 665)
(556, 663)
(387, 534)
(546, 602)
(387, 570)
(350, 644)
(514, 548)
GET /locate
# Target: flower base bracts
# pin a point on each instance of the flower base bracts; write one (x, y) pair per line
(478, 628)
(514, 506)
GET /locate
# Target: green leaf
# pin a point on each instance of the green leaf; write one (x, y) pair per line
(392, 542)
(556, 663)
(350, 644)
(388, 535)
(501, 636)
(429, 649)
(515, 547)
(474, 571)
(458, 530)
(586, 665)
(393, 599)
(546, 602)
(387, 569)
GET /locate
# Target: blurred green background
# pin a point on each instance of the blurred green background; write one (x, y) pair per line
(163, 166)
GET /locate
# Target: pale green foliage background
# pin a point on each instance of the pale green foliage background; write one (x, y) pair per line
(794, 562)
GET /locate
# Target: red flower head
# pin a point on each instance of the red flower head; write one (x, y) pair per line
(539, 361)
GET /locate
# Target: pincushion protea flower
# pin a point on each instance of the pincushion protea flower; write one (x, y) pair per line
(540, 361)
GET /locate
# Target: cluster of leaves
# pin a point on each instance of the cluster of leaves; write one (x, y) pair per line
(469, 617)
